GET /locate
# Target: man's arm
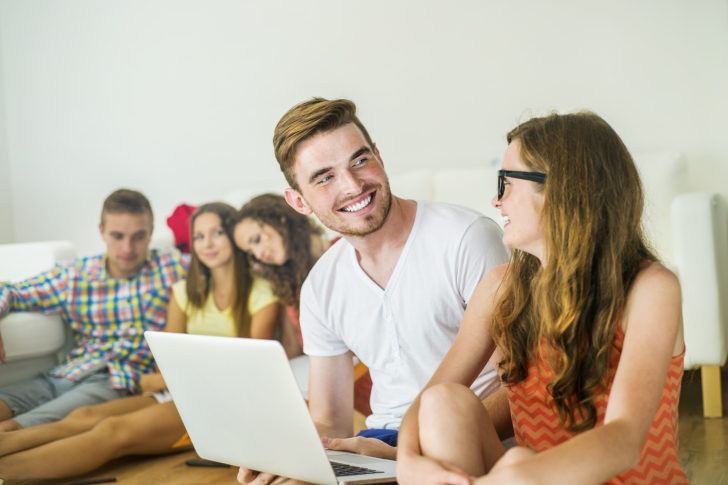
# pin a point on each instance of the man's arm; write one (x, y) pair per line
(45, 292)
(500, 412)
(330, 401)
(497, 404)
(331, 395)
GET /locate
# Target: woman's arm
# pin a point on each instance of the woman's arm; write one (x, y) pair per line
(176, 323)
(652, 316)
(319, 245)
(468, 355)
(264, 322)
(176, 318)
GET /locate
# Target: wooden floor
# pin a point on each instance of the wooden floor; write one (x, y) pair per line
(703, 452)
(703, 442)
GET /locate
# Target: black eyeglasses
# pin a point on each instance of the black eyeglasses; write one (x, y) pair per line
(532, 176)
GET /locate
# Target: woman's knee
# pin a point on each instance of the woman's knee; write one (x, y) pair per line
(444, 399)
(84, 413)
(117, 430)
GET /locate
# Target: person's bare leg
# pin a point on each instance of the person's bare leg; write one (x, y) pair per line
(456, 429)
(149, 431)
(78, 421)
(9, 425)
(5, 411)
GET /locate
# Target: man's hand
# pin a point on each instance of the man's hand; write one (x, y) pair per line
(362, 446)
(247, 476)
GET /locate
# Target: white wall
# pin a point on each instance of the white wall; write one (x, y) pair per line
(7, 228)
(179, 98)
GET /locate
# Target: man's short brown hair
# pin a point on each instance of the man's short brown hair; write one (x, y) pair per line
(125, 201)
(317, 115)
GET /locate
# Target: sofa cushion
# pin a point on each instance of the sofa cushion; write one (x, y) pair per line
(28, 335)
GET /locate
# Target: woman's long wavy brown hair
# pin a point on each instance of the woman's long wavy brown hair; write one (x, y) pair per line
(594, 246)
(199, 280)
(296, 231)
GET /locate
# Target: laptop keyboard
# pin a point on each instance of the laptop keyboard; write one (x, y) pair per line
(343, 470)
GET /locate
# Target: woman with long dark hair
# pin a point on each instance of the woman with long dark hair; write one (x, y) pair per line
(219, 297)
(282, 246)
(586, 320)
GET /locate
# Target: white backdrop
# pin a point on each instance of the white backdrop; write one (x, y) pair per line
(179, 98)
(7, 229)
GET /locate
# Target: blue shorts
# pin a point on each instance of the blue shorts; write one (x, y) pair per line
(389, 436)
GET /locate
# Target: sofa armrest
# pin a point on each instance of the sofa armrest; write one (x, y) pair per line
(31, 334)
(700, 243)
(33, 341)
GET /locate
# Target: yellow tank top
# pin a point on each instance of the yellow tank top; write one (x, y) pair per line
(210, 320)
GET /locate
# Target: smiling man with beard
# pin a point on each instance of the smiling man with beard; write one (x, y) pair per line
(392, 291)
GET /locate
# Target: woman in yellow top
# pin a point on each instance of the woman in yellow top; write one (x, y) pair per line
(219, 297)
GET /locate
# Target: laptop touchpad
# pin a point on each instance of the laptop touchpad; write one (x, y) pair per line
(352, 458)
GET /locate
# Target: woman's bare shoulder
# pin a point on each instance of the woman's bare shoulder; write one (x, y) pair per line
(494, 281)
(655, 278)
(498, 273)
(655, 299)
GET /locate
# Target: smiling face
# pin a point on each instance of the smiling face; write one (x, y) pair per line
(260, 240)
(210, 241)
(342, 181)
(127, 239)
(521, 207)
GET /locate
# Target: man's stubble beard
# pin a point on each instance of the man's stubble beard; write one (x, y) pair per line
(374, 221)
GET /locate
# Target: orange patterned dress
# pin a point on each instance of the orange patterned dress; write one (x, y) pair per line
(537, 424)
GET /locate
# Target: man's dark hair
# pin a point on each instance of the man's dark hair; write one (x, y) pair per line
(307, 119)
(125, 201)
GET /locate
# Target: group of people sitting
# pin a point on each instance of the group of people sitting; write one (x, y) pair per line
(563, 330)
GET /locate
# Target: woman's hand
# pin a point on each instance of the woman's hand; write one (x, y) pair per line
(152, 382)
(413, 469)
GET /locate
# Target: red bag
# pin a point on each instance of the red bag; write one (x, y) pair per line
(179, 222)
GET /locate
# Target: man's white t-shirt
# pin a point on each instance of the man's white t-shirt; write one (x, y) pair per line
(403, 332)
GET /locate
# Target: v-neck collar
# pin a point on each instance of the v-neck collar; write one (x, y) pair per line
(400, 262)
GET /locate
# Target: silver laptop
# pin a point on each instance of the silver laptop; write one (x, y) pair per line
(241, 405)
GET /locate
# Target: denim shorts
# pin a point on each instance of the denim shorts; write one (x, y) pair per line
(45, 398)
(389, 436)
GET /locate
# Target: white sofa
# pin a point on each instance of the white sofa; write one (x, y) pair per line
(692, 241)
(700, 237)
(34, 342)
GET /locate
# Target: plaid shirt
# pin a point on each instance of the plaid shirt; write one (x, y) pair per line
(108, 316)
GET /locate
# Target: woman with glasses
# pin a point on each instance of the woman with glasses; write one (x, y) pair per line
(586, 323)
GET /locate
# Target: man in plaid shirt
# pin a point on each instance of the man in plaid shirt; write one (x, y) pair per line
(108, 300)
